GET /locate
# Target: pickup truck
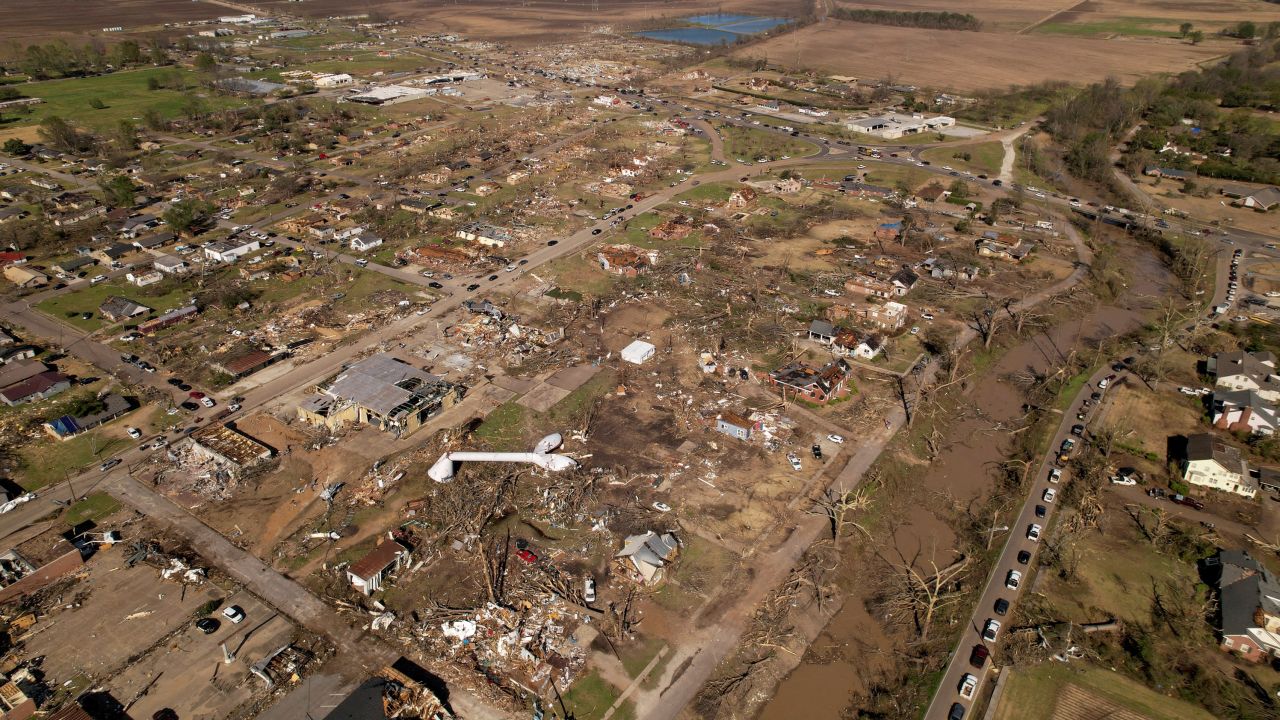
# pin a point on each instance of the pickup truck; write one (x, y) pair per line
(1189, 502)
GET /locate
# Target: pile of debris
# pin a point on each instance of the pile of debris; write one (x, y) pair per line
(527, 647)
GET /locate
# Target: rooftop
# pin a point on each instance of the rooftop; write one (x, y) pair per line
(386, 385)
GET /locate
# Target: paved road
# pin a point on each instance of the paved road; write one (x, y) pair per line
(948, 690)
(1018, 541)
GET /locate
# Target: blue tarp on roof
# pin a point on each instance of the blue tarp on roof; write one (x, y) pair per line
(65, 426)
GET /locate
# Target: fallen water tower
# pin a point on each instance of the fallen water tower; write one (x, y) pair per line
(542, 456)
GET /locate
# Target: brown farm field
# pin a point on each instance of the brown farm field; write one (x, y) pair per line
(969, 61)
(535, 21)
(1091, 17)
(28, 21)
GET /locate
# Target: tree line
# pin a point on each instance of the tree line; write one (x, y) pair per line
(61, 59)
(917, 19)
(1216, 99)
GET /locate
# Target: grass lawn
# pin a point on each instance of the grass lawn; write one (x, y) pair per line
(576, 273)
(124, 94)
(48, 461)
(1032, 692)
(1114, 578)
(368, 283)
(590, 698)
(984, 158)
(89, 297)
(635, 655)
(1135, 26)
(714, 192)
(751, 144)
(92, 507)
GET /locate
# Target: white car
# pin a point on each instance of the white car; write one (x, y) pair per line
(991, 631)
(589, 590)
(1012, 580)
(97, 279)
(1055, 475)
(1187, 391)
(661, 507)
(795, 461)
(1033, 532)
(1123, 480)
(234, 614)
(234, 407)
(837, 439)
(133, 432)
(1049, 495)
(206, 401)
(968, 686)
(926, 316)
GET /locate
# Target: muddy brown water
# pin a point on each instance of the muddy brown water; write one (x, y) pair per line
(844, 658)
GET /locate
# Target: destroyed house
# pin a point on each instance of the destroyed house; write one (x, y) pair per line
(734, 425)
(626, 260)
(246, 363)
(382, 391)
(802, 380)
(367, 573)
(170, 318)
(228, 449)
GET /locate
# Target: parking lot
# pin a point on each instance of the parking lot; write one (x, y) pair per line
(188, 675)
(121, 612)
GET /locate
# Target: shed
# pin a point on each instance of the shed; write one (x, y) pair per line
(367, 573)
(638, 352)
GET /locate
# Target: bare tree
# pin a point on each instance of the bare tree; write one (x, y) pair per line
(838, 507)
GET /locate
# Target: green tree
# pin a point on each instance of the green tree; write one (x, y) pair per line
(1196, 36)
(85, 404)
(187, 214)
(206, 63)
(126, 135)
(128, 53)
(1185, 29)
(1246, 30)
(119, 190)
(14, 146)
(97, 104)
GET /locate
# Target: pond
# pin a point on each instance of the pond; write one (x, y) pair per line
(716, 29)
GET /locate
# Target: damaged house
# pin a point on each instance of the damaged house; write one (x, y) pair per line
(643, 558)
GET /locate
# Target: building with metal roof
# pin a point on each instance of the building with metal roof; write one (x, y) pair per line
(383, 391)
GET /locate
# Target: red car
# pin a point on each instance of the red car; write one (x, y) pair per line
(978, 657)
(196, 394)
(527, 556)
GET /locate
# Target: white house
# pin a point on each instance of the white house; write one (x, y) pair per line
(144, 279)
(328, 81)
(169, 264)
(487, 235)
(1246, 371)
(365, 242)
(1243, 411)
(1212, 463)
(229, 250)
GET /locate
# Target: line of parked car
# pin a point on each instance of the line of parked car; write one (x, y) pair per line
(979, 653)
